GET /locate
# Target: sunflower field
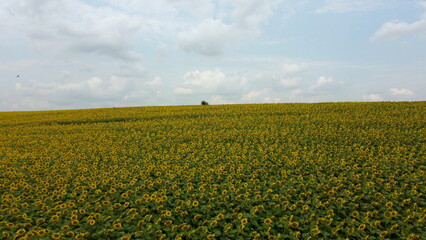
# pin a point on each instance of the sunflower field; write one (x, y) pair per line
(259, 171)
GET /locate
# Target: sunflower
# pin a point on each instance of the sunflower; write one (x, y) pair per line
(213, 223)
(117, 225)
(211, 236)
(168, 213)
(362, 227)
(220, 216)
(267, 221)
(65, 228)
(185, 227)
(40, 221)
(294, 224)
(355, 214)
(56, 236)
(197, 217)
(80, 235)
(126, 237)
(29, 235)
(20, 232)
(54, 218)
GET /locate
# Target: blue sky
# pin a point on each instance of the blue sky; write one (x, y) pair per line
(74, 54)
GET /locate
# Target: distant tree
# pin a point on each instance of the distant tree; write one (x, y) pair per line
(204, 103)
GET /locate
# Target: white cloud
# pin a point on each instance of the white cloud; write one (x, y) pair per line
(15, 66)
(322, 81)
(155, 82)
(401, 92)
(78, 27)
(117, 84)
(205, 79)
(217, 99)
(295, 93)
(161, 11)
(94, 82)
(209, 38)
(291, 74)
(213, 35)
(92, 91)
(291, 68)
(183, 91)
(396, 28)
(212, 82)
(323, 89)
(342, 6)
(250, 14)
(253, 94)
(373, 97)
(262, 95)
(290, 82)
(162, 50)
(271, 99)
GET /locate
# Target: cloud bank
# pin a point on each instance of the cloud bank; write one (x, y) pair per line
(394, 29)
(213, 35)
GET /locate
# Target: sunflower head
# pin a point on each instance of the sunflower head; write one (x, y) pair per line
(267, 221)
(56, 236)
(117, 225)
(294, 224)
(20, 232)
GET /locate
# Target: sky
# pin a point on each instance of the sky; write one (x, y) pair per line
(74, 54)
